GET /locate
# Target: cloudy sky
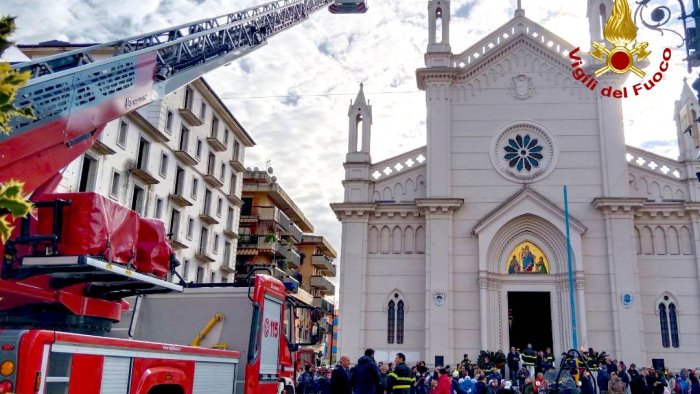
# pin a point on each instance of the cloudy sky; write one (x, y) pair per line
(293, 94)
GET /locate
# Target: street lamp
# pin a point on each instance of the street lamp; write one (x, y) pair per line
(656, 17)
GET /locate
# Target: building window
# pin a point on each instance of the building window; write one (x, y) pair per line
(186, 270)
(227, 254)
(174, 223)
(190, 227)
(142, 156)
(203, 111)
(158, 212)
(195, 187)
(395, 320)
(200, 274)
(114, 189)
(673, 323)
(213, 277)
(184, 138)
(399, 323)
(189, 98)
(137, 200)
(203, 240)
(88, 174)
(207, 202)
(219, 206)
(234, 181)
(215, 249)
(169, 122)
(391, 322)
(663, 319)
(198, 153)
(226, 136)
(211, 162)
(236, 148)
(179, 181)
(229, 219)
(123, 134)
(222, 174)
(214, 127)
(163, 164)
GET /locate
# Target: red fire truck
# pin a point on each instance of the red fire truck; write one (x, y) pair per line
(67, 270)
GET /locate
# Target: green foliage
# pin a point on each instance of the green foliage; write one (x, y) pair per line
(12, 203)
(270, 238)
(495, 359)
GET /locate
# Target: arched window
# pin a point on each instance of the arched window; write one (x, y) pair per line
(391, 322)
(663, 319)
(673, 320)
(399, 323)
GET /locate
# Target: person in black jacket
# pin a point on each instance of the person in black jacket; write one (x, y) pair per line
(586, 383)
(340, 378)
(513, 364)
(400, 379)
(365, 375)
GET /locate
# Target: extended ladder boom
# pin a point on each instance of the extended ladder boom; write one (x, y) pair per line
(74, 95)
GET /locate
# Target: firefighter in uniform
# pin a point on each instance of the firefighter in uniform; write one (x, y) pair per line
(401, 379)
(548, 360)
(529, 360)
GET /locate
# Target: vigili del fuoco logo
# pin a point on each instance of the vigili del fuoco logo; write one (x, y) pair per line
(621, 57)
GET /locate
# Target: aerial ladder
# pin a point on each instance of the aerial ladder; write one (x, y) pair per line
(74, 95)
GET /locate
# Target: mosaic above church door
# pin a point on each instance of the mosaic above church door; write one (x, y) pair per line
(527, 258)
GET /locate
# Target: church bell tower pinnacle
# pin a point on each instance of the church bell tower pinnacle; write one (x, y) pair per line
(439, 51)
(598, 14)
(358, 160)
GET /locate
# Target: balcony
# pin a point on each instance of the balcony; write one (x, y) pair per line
(176, 244)
(294, 233)
(323, 305)
(213, 181)
(237, 165)
(186, 157)
(271, 214)
(203, 255)
(144, 176)
(228, 267)
(206, 218)
(179, 200)
(234, 199)
(215, 144)
(322, 284)
(102, 148)
(293, 258)
(324, 264)
(190, 117)
(258, 242)
(230, 233)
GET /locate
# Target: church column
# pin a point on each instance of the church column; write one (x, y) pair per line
(439, 312)
(622, 263)
(581, 309)
(483, 309)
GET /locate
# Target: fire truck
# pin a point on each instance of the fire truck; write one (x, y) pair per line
(68, 269)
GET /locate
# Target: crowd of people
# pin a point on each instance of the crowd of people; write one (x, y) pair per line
(528, 372)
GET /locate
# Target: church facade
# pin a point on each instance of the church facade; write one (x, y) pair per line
(460, 245)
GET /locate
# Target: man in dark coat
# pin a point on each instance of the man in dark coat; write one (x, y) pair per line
(401, 379)
(340, 378)
(513, 364)
(365, 375)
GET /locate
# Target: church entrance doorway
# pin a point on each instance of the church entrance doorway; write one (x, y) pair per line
(530, 320)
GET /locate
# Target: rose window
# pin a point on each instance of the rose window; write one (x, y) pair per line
(523, 153)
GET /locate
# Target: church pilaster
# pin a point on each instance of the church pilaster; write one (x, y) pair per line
(439, 267)
(353, 271)
(623, 274)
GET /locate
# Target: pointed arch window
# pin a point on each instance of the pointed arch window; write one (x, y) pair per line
(673, 323)
(663, 319)
(391, 322)
(399, 323)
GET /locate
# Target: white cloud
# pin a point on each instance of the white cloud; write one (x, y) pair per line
(320, 64)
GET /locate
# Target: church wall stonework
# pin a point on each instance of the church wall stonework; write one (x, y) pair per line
(506, 130)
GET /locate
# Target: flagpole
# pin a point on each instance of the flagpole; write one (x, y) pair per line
(572, 299)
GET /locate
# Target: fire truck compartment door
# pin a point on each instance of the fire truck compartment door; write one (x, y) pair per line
(270, 337)
(115, 375)
(212, 378)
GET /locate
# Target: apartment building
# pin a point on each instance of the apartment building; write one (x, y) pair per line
(179, 159)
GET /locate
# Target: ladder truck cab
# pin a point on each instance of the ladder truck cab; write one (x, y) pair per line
(67, 269)
(348, 7)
